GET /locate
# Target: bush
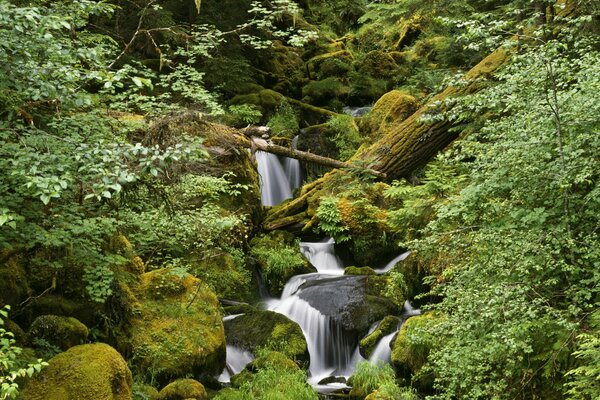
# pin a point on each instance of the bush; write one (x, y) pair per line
(284, 122)
(369, 376)
(347, 137)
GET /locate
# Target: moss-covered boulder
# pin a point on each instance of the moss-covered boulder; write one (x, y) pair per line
(279, 258)
(19, 334)
(178, 328)
(183, 389)
(267, 329)
(85, 372)
(378, 63)
(62, 332)
(390, 110)
(322, 92)
(144, 392)
(413, 343)
(359, 271)
(385, 327)
(266, 101)
(14, 287)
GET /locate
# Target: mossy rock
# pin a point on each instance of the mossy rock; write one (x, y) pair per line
(183, 389)
(85, 372)
(378, 63)
(54, 304)
(178, 327)
(385, 327)
(414, 271)
(14, 286)
(279, 258)
(389, 111)
(381, 286)
(238, 309)
(324, 91)
(63, 332)
(359, 271)
(144, 392)
(267, 101)
(413, 343)
(315, 64)
(269, 330)
(19, 334)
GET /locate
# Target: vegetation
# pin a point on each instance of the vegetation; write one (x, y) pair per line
(130, 209)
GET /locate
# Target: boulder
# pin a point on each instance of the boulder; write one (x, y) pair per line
(413, 343)
(269, 330)
(62, 332)
(347, 301)
(177, 329)
(385, 327)
(14, 287)
(390, 110)
(183, 389)
(84, 372)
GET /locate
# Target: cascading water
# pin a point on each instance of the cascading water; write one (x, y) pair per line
(274, 185)
(357, 111)
(393, 263)
(237, 359)
(322, 256)
(293, 169)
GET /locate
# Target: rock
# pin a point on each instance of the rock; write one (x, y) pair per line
(144, 392)
(178, 329)
(413, 343)
(85, 372)
(14, 287)
(62, 332)
(347, 301)
(19, 334)
(269, 330)
(385, 327)
(390, 110)
(272, 359)
(332, 379)
(183, 389)
(359, 271)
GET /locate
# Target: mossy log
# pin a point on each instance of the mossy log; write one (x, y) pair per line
(405, 147)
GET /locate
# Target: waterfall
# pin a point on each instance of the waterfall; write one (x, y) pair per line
(322, 256)
(393, 263)
(236, 361)
(383, 350)
(274, 185)
(292, 168)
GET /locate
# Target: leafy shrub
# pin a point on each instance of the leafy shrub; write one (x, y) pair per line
(347, 137)
(330, 220)
(284, 122)
(371, 376)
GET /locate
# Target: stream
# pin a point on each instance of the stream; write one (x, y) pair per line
(319, 302)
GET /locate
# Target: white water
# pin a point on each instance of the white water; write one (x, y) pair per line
(237, 359)
(383, 351)
(274, 185)
(292, 168)
(393, 263)
(322, 256)
(357, 111)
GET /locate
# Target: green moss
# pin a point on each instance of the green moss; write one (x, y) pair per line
(85, 372)
(14, 287)
(278, 255)
(18, 334)
(389, 111)
(177, 329)
(413, 343)
(378, 63)
(359, 271)
(267, 330)
(385, 327)
(63, 332)
(144, 392)
(183, 389)
(238, 309)
(323, 91)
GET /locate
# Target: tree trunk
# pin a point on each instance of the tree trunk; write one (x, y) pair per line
(408, 146)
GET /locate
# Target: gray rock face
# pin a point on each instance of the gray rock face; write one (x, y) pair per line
(346, 301)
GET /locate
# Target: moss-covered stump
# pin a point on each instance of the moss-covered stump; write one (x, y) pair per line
(413, 343)
(85, 372)
(14, 287)
(385, 327)
(183, 389)
(391, 109)
(177, 329)
(62, 332)
(269, 330)
(279, 258)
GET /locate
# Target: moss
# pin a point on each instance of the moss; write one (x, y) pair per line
(183, 389)
(385, 327)
(316, 63)
(413, 343)
(383, 286)
(144, 392)
(18, 334)
(14, 287)
(324, 91)
(278, 255)
(378, 63)
(52, 304)
(267, 101)
(238, 309)
(269, 330)
(390, 110)
(63, 332)
(272, 359)
(178, 328)
(359, 271)
(85, 372)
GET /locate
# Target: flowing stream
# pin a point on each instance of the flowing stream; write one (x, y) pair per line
(333, 350)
